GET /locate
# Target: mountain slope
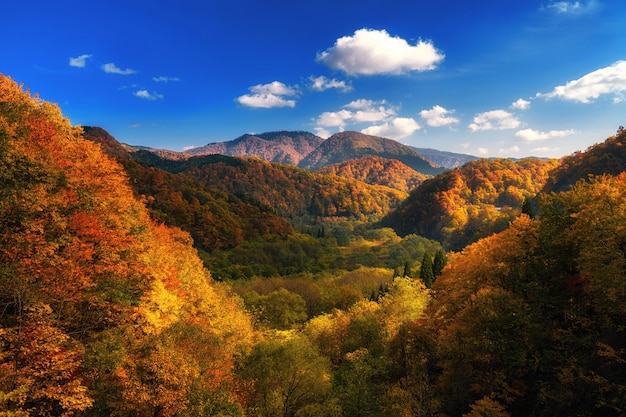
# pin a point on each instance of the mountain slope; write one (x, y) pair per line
(608, 157)
(288, 191)
(464, 204)
(445, 159)
(343, 146)
(283, 146)
(215, 219)
(377, 170)
(102, 308)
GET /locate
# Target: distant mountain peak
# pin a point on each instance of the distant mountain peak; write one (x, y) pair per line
(283, 146)
(348, 145)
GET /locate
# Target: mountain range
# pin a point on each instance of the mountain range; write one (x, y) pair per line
(306, 150)
(352, 175)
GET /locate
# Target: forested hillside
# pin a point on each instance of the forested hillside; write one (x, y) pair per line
(608, 157)
(103, 311)
(465, 204)
(376, 170)
(289, 191)
(215, 219)
(106, 311)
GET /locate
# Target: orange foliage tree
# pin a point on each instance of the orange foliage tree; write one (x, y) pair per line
(103, 311)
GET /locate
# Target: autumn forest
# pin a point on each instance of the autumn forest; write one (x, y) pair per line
(357, 280)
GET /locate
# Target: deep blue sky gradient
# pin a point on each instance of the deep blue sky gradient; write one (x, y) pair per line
(214, 53)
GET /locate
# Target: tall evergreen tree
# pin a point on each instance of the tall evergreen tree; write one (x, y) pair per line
(426, 271)
(527, 207)
(407, 270)
(438, 263)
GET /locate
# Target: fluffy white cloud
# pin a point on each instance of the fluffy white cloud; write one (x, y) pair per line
(322, 83)
(396, 128)
(111, 68)
(373, 114)
(268, 96)
(609, 80)
(265, 101)
(334, 118)
(494, 120)
(370, 51)
(164, 79)
(363, 103)
(146, 95)
(79, 61)
(520, 104)
(531, 135)
(275, 87)
(438, 116)
(482, 151)
(322, 133)
(357, 111)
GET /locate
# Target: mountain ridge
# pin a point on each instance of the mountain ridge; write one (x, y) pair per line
(309, 151)
(283, 146)
(347, 145)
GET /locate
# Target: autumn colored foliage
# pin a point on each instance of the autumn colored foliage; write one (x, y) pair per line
(103, 312)
(465, 204)
(290, 192)
(377, 170)
(106, 308)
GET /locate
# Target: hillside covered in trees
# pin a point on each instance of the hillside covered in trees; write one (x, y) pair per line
(108, 309)
(465, 204)
(289, 191)
(377, 170)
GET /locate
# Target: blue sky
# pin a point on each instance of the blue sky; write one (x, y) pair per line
(490, 78)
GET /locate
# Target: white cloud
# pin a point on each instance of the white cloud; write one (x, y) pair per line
(531, 135)
(482, 151)
(164, 79)
(371, 51)
(265, 101)
(269, 96)
(146, 95)
(322, 133)
(564, 6)
(362, 103)
(334, 118)
(512, 149)
(609, 80)
(373, 114)
(79, 61)
(396, 128)
(322, 83)
(520, 104)
(494, 120)
(570, 7)
(275, 87)
(111, 68)
(357, 111)
(438, 116)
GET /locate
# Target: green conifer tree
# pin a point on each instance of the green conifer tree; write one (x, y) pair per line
(407, 269)
(438, 263)
(426, 270)
(527, 207)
